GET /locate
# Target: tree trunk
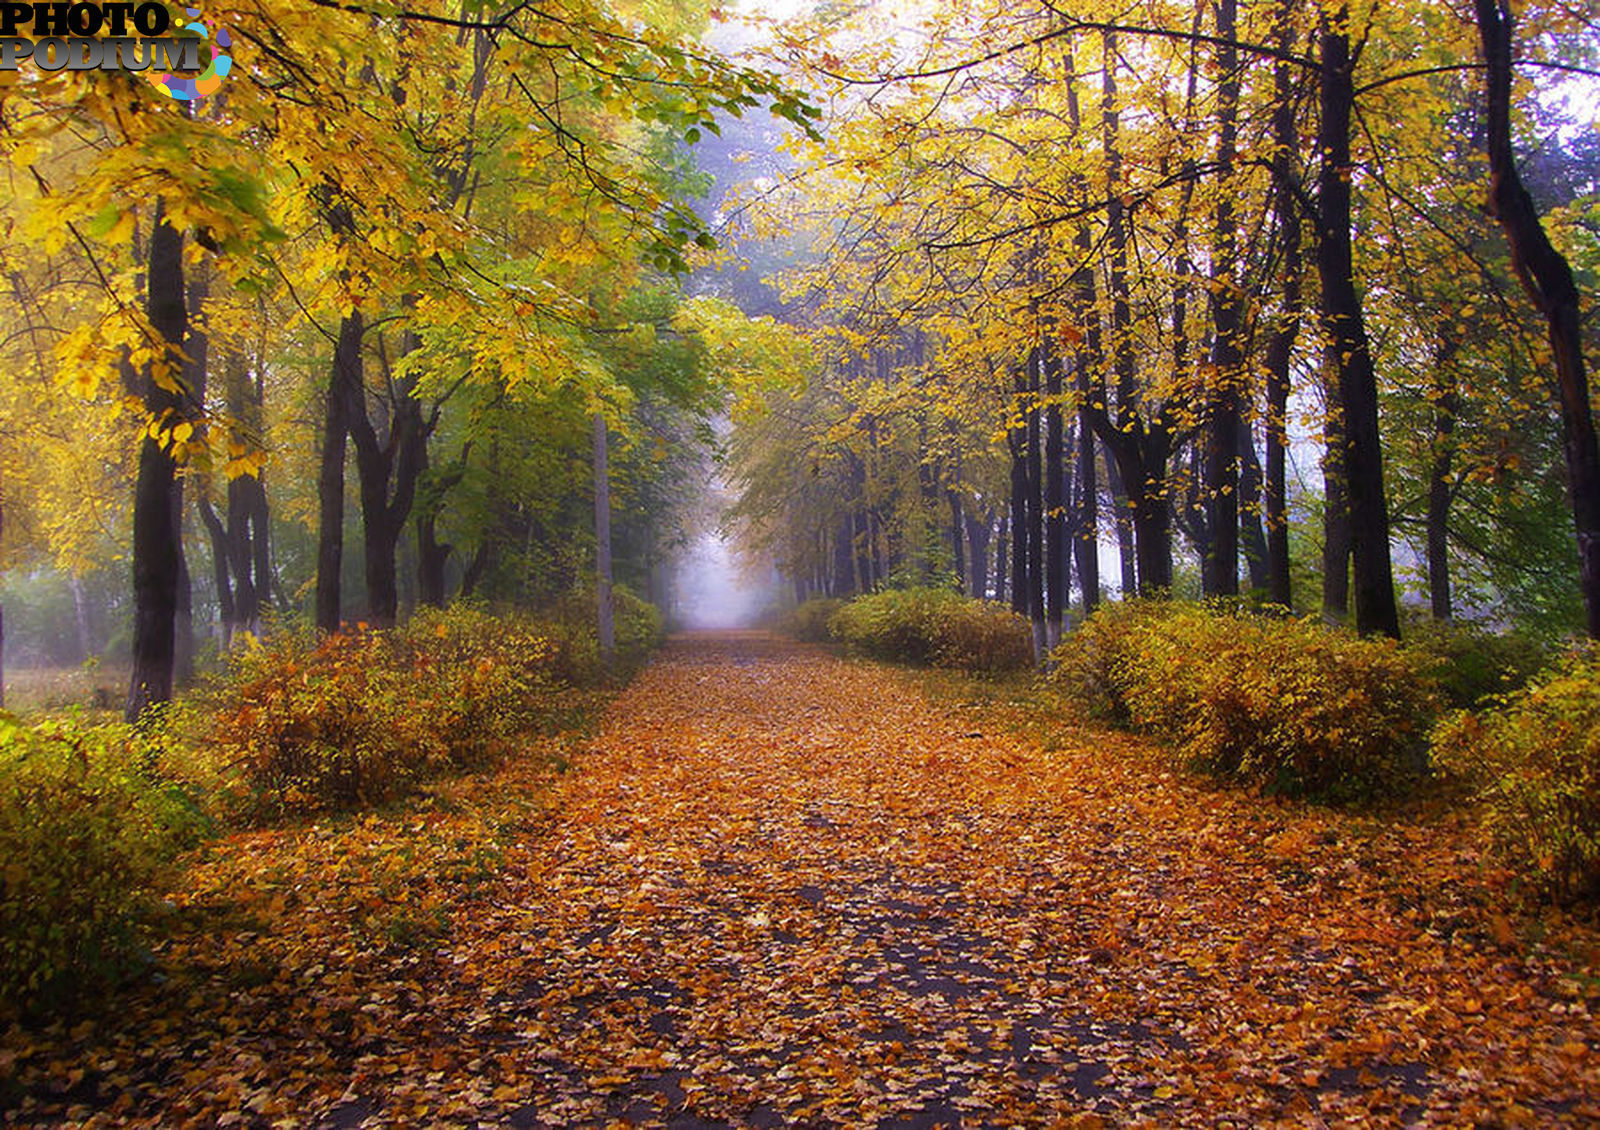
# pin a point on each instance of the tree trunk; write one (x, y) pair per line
(1122, 520)
(1251, 535)
(1375, 607)
(1055, 526)
(1220, 567)
(344, 384)
(1280, 347)
(953, 499)
(1087, 522)
(1035, 510)
(217, 534)
(979, 532)
(602, 542)
(1547, 277)
(1001, 556)
(155, 523)
(1016, 440)
(1335, 518)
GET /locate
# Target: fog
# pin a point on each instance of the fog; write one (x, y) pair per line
(712, 588)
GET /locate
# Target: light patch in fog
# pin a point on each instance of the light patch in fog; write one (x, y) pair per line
(714, 591)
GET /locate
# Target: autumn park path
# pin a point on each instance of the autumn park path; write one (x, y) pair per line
(779, 888)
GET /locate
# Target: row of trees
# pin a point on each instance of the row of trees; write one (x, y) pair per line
(1085, 271)
(439, 244)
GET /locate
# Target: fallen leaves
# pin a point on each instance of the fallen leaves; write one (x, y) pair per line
(782, 889)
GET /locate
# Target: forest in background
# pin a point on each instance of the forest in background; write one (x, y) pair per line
(1235, 298)
(365, 330)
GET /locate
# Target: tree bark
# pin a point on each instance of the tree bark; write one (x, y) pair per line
(1252, 537)
(1335, 518)
(1017, 442)
(1035, 510)
(1220, 567)
(155, 521)
(602, 539)
(1280, 346)
(1055, 525)
(1001, 555)
(1547, 277)
(344, 384)
(1375, 607)
(953, 500)
(1087, 521)
(979, 532)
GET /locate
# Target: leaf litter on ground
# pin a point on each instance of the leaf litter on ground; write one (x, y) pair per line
(779, 888)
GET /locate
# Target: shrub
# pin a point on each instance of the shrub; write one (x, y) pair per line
(1085, 666)
(88, 828)
(573, 624)
(895, 624)
(1470, 662)
(929, 625)
(979, 635)
(1532, 758)
(363, 717)
(1282, 704)
(809, 621)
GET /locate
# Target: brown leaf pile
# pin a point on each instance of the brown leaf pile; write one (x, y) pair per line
(781, 889)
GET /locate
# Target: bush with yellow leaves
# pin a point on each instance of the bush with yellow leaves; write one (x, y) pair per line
(89, 823)
(1532, 758)
(364, 716)
(934, 625)
(1287, 705)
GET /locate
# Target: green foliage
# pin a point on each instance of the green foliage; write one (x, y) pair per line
(572, 625)
(934, 625)
(363, 717)
(1282, 704)
(809, 621)
(1470, 662)
(88, 827)
(1533, 759)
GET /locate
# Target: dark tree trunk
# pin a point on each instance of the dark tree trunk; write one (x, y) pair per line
(1055, 526)
(1335, 518)
(1087, 521)
(1017, 441)
(1035, 510)
(156, 562)
(432, 554)
(1375, 607)
(979, 532)
(197, 346)
(1280, 347)
(217, 533)
(1219, 569)
(1439, 497)
(248, 551)
(602, 541)
(953, 499)
(844, 581)
(1002, 559)
(1547, 278)
(344, 385)
(1122, 520)
(1251, 535)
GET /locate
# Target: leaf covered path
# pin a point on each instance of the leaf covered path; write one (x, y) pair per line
(783, 889)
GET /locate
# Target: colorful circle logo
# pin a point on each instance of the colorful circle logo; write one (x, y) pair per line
(192, 88)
